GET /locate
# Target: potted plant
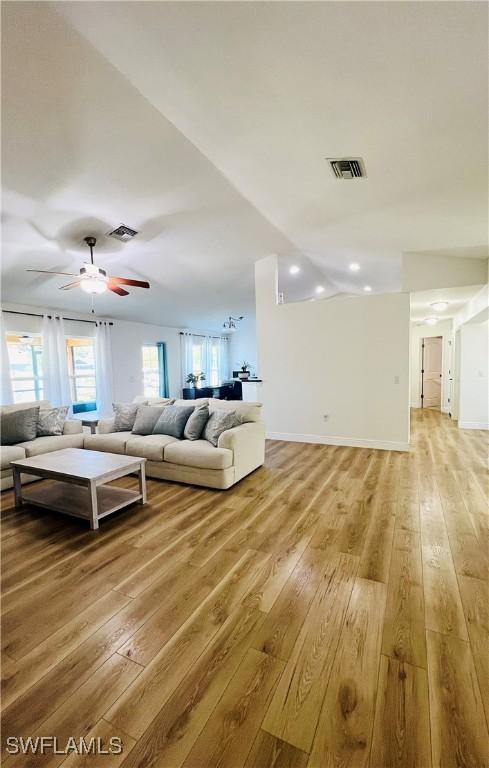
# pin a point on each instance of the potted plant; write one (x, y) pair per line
(194, 378)
(245, 370)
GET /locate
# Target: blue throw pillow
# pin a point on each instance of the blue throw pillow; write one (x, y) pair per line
(173, 420)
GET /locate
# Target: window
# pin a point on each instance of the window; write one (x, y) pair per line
(81, 369)
(26, 372)
(204, 354)
(151, 371)
(25, 360)
(155, 371)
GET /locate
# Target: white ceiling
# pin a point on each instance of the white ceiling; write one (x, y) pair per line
(421, 302)
(206, 126)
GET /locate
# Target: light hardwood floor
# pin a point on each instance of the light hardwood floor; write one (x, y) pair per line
(331, 610)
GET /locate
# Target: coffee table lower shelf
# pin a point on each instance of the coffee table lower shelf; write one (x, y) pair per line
(74, 500)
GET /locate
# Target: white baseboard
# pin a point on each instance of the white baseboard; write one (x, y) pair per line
(473, 425)
(351, 442)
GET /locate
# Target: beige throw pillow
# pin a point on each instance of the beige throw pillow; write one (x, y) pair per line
(219, 421)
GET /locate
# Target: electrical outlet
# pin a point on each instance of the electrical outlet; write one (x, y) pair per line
(396, 379)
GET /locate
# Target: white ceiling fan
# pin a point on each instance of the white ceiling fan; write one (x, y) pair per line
(93, 279)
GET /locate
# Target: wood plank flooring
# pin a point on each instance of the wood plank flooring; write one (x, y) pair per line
(331, 610)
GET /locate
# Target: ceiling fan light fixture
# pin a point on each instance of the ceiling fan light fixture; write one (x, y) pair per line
(93, 279)
(93, 284)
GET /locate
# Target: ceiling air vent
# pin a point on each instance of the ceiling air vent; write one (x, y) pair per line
(347, 167)
(122, 233)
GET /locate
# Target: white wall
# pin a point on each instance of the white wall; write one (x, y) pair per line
(127, 340)
(474, 380)
(475, 309)
(242, 345)
(422, 271)
(457, 344)
(418, 332)
(346, 357)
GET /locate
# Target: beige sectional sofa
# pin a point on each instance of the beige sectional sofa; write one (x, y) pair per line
(72, 437)
(240, 450)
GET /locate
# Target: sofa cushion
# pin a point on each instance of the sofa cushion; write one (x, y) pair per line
(142, 400)
(196, 423)
(72, 427)
(10, 453)
(146, 419)
(198, 453)
(113, 442)
(51, 421)
(105, 426)
(195, 403)
(151, 447)
(245, 411)
(53, 443)
(20, 425)
(172, 420)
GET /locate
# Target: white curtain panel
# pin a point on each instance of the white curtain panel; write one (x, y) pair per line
(209, 349)
(217, 352)
(54, 361)
(6, 395)
(223, 359)
(185, 355)
(103, 368)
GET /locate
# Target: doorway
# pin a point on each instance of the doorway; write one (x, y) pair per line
(431, 372)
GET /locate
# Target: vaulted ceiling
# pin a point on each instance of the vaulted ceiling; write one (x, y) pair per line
(206, 126)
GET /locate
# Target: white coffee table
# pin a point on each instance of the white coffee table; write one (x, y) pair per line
(80, 479)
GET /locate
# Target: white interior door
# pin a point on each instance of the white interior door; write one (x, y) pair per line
(431, 372)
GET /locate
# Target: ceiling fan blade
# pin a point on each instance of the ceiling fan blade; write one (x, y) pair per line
(128, 281)
(116, 289)
(48, 272)
(67, 287)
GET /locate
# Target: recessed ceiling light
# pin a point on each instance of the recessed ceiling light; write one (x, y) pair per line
(319, 289)
(294, 269)
(354, 266)
(431, 320)
(439, 306)
(367, 288)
